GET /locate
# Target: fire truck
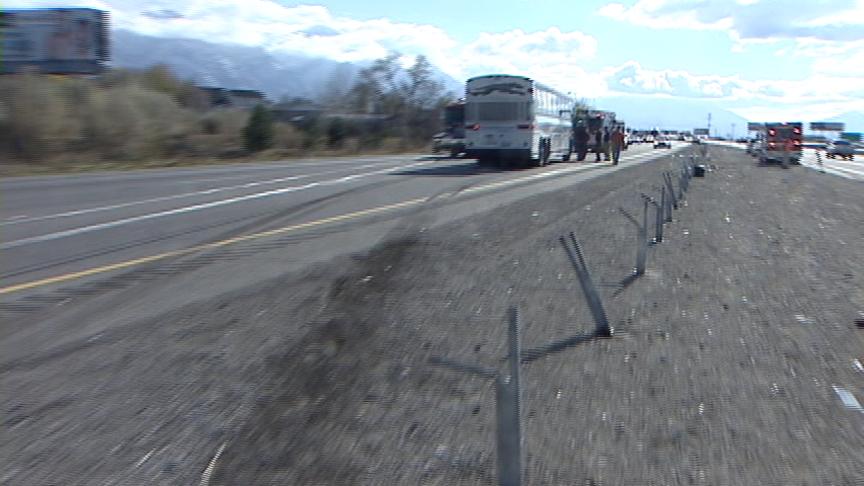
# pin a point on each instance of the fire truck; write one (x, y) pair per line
(780, 142)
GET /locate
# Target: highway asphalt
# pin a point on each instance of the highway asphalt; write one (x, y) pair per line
(106, 250)
(816, 159)
(68, 229)
(273, 323)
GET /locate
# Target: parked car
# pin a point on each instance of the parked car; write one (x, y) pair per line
(840, 148)
(662, 142)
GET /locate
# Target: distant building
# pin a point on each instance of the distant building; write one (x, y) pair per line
(302, 112)
(246, 98)
(297, 111)
(216, 97)
(233, 98)
(54, 41)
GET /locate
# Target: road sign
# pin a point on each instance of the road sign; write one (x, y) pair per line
(851, 136)
(700, 131)
(827, 126)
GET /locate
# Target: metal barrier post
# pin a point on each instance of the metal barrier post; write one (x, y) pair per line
(667, 199)
(508, 434)
(507, 394)
(673, 199)
(641, 241)
(658, 217)
(577, 259)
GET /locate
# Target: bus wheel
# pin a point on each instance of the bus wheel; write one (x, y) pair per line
(541, 153)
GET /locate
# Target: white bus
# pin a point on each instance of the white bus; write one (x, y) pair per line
(516, 120)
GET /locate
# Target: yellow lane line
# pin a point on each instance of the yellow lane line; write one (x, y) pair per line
(254, 236)
(207, 246)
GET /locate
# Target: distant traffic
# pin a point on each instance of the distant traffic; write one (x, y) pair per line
(511, 121)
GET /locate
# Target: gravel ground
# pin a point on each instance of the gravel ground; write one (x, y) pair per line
(721, 370)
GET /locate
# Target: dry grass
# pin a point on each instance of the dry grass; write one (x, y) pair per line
(136, 120)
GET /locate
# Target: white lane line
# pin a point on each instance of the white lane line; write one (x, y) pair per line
(144, 459)
(208, 473)
(848, 399)
(197, 207)
(845, 164)
(838, 171)
(859, 173)
(284, 190)
(204, 192)
(852, 163)
(563, 170)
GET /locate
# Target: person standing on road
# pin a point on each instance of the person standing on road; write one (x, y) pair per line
(598, 144)
(607, 139)
(580, 140)
(617, 142)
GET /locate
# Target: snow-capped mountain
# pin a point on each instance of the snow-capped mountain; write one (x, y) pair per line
(240, 67)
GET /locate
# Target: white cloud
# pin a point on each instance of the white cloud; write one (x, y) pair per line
(825, 38)
(550, 56)
(835, 87)
(817, 97)
(306, 29)
(631, 77)
(795, 112)
(659, 14)
(749, 20)
(547, 55)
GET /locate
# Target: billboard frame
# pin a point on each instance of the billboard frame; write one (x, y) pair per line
(54, 41)
(827, 126)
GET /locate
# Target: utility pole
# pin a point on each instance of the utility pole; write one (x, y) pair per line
(709, 124)
(733, 132)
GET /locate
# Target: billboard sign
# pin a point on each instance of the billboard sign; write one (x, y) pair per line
(56, 40)
(700, 131)
(827, 126)
(755, 127)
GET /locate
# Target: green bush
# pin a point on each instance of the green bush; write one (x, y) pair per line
(258, 134)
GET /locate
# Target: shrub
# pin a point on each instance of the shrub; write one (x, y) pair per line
(38, 120)
(258, 134)
(287, 137)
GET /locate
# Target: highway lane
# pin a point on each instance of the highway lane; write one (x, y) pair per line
(34, 198)
(104, 268)
(816, 160)
(51, 228)
(850, 169)
(60, 296)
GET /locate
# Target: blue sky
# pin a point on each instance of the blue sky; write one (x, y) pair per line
(702, 52)
(758, 58)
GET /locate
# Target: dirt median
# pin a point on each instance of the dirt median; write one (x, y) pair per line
(721, 371)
